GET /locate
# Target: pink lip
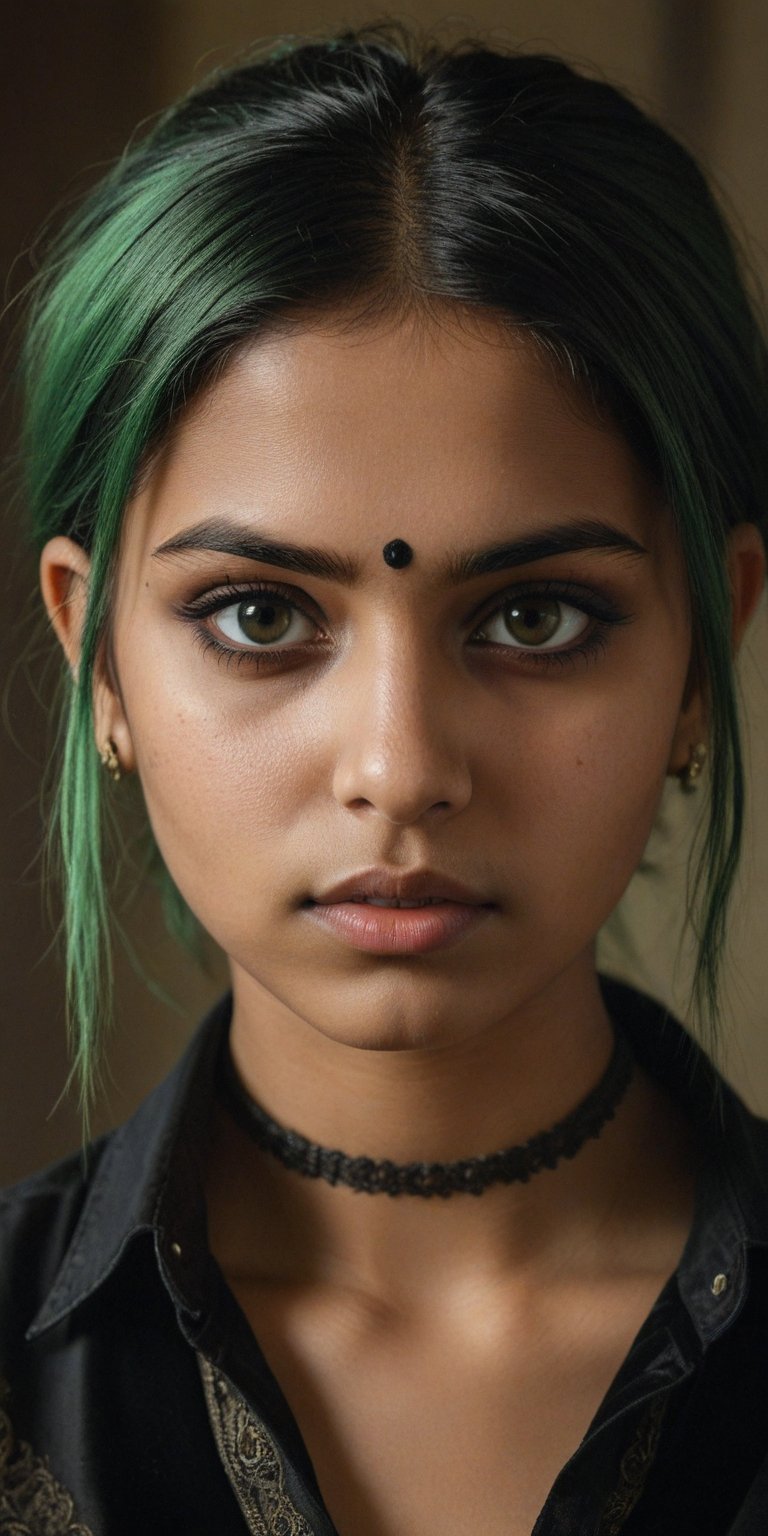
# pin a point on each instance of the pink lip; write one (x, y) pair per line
(399, 930)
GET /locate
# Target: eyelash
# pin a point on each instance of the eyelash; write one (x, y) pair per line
(600, 608)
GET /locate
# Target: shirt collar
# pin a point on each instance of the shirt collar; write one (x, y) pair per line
(147, 1175)
(731, 1204)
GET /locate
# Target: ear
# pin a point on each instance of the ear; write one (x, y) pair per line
(746, 567)
(65, 570)
(746, 559)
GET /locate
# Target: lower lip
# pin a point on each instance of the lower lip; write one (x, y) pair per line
(399, 930)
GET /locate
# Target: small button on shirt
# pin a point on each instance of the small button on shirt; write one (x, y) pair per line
(134, 1396)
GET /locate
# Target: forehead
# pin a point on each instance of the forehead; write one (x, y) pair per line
(411, 428)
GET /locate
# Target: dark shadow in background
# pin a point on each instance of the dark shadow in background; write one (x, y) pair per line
(689, 46)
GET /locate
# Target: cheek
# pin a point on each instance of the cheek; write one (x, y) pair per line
(594, 780)
(224, 787)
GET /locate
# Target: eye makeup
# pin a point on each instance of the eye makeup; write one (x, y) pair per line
(200, 613)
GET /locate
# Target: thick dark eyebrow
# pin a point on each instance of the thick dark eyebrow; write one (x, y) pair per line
(220, 536)
(559, 539)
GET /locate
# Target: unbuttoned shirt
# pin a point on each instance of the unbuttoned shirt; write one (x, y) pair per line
(134, 1397)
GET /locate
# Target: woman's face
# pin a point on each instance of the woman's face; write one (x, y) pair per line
(505, 725)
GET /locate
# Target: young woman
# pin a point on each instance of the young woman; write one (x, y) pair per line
(396, 449)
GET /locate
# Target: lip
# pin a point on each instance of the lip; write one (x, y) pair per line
(399, 930)
(413, 885)
(455, 911)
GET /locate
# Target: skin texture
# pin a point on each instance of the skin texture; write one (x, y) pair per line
(396, 737)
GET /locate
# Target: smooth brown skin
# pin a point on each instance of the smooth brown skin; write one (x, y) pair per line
(443, 1359)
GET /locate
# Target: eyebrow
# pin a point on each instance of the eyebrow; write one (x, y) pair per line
(242, 541)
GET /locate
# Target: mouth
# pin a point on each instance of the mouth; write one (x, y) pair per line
(394, 902)
(390, 925)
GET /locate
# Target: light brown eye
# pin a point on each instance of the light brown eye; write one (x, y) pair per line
(263, 621)
(530, 623)
(533, 622)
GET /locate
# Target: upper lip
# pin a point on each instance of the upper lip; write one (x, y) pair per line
(417, 885)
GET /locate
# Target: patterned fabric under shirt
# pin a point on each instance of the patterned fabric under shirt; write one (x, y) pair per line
(253, 1465)
(250, 1459)
(635, 1465)
(34, 1503)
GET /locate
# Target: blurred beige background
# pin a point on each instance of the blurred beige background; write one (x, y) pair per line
(76, 79)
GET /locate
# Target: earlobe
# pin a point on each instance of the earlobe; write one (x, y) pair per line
(689, 748)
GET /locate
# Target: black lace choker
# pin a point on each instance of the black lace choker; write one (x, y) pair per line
(469, 1176)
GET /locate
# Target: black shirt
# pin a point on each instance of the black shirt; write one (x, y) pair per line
(135, 1398)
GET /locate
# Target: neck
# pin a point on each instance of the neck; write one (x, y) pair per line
(517, 1077)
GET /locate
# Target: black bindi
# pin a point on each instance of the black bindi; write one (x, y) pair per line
(397, 554)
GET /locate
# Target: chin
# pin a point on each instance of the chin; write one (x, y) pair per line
(388, 1035)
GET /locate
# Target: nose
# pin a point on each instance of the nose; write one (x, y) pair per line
(401, 741)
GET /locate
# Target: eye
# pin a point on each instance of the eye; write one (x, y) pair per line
(263, 620)
(532, 622)
(268, 625)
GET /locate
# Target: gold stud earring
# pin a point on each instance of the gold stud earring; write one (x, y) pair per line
(110, 759)
(692, 769)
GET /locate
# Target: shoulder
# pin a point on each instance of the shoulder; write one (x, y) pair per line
(61, 1183)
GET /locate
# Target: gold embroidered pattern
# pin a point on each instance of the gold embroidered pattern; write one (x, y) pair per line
(32, 1501)
(250, 1459)
(634, 1468)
